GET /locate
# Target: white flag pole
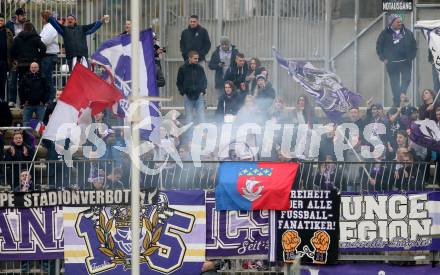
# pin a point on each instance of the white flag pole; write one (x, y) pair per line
(135, 176)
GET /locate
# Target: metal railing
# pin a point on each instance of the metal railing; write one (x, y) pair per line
(47, 175)
(386, 176)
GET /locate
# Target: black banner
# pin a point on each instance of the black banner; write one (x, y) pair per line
(397, 5)
(74, 198)
(309, 230)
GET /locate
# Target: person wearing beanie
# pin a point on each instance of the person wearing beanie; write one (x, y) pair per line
(6, 39)
(221, 59)
(75, 37)
(396, 48)
(264, 95)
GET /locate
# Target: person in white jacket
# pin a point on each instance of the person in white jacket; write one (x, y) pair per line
(49, 36)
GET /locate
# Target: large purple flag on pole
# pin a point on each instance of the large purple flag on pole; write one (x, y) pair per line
(325, 87)
(115, 56)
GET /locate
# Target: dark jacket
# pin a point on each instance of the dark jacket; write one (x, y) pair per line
(11, 24)
(33, 89)
(19, 155)
(264, 98)
(160, 79)
(228, 105)
(196, 39)
(75, 38)
(237, 75)
(405, 49)
(191, 80)
(214, 64)
(6, 41)
(27, 48)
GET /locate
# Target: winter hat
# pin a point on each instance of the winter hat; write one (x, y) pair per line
(392, 18)
(71, 14)
(2, 15)
(260, 76)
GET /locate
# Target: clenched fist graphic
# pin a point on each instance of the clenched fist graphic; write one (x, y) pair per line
(290, 241)
(321, 242)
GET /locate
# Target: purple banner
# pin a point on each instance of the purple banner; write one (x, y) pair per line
(368, 269)
(232, 234)
(173, 235)
(389, 222)
(31, 233)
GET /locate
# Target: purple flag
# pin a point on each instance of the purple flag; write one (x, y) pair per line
(426, 133)
(31, 233)
(325, 87)
(173, 236)
(251, 227)
(115, 56)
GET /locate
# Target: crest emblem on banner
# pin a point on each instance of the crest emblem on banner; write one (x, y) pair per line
(107, 233)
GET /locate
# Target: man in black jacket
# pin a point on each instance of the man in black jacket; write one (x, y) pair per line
(192, 84)
(75, 38)
(221, 60)
(6, 39)
(195, 38)
(34, 93)
(396, 47)
(237, 72)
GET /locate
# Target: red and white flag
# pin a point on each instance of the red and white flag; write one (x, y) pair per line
(85, 94)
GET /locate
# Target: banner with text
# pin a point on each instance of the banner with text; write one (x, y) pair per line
(31, 233)
(397, 5)
(173, 236)
(385, 222)
(308, 230)
(233, 233)
(73, 198)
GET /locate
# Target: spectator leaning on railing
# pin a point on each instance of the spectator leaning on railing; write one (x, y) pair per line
(26, 184)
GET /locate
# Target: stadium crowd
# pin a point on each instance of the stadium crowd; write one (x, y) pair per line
(245, 95)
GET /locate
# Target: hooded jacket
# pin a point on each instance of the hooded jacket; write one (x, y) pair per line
(387, 49)
(191, 80)
(214, 65)
(27, 48)
(196, 39)
(75, 38)
(237, 75)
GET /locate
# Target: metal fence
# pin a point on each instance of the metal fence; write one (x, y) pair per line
(387, 176)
